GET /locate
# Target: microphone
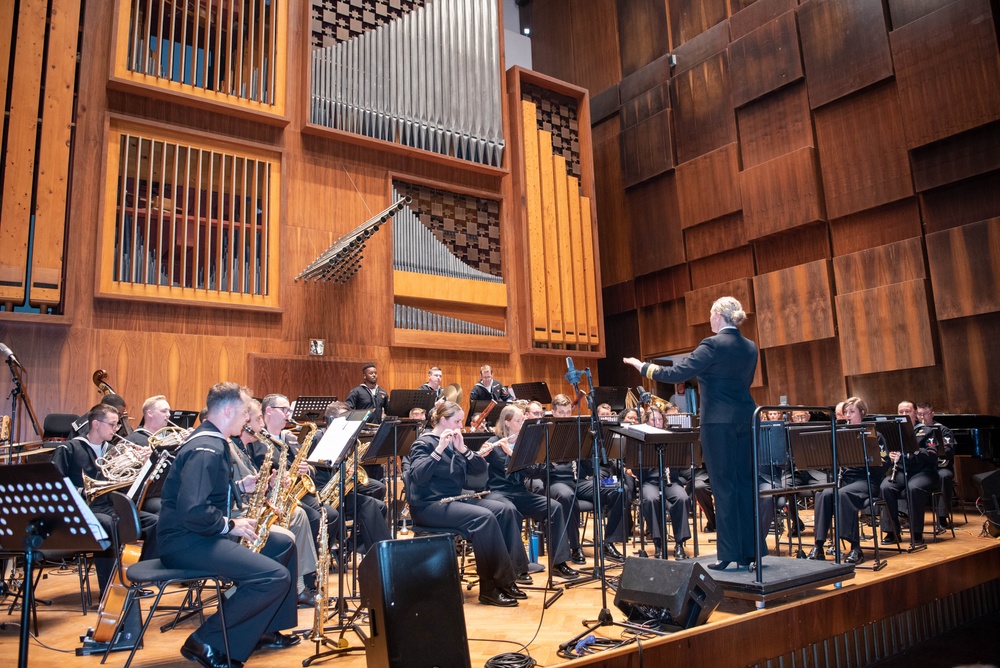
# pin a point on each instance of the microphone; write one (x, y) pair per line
(572, 376)
(8, 355)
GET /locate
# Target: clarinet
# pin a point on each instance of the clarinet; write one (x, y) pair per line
(463, 497)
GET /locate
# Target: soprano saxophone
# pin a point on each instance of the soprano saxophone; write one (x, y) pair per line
(322, 581)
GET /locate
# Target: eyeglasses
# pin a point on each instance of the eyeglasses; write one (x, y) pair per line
(284, 409)
(111, 424)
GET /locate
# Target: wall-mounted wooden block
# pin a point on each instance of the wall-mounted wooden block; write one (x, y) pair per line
(782, 193)
(961, 156)
(650, 76)
(701, 48)
(756, 14)
(965, 269)
(709, 185)
(872, 335)
(808, 373)
(663, 329)
(948, 71)
(703, 112)
(698, 303)
(862, 151)
(794, 305)
(715, 236)
(844, 46)
(798, 245)
(775, 124)
(647, 148)
(604, 104)
(655, 245)
(961, 203)
(662, 286)
(618, 298)
(721, 267)
(970, 355)
(645, 24)
(765, 60)
(690, 19)
(902, 12)
(884, 391)
(615, 247)
(876, 227)
(882, 265)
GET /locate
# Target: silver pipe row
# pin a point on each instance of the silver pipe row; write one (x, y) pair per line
(415, 248)
(410, 317)
(430, 79)
(342, 260)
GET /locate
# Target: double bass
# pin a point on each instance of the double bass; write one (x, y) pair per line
(100, 380)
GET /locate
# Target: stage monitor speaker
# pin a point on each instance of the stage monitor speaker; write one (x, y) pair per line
(989, 499)
(684, 590)
(414, 598)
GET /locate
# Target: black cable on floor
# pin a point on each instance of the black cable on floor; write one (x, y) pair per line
(510, 660)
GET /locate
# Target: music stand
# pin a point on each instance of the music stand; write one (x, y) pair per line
(536, 391)
(402, 401)
(45, 510)
(393, 439)
(184, 419)
(897, 430)
(311, 409)
(479, 405)
(613, 396)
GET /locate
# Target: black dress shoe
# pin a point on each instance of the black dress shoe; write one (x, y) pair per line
(658, 553)
(919, 540)
(277, 640)
(719, 565)
(564, 570)
(498, 598)
(855, 556)
(680, 554)
(524, 579)
(514, 591)
(611, 552)
(577, 556)
(709, 528)
(891, 538)
(817, 553)
(307, 598)
(209, 657)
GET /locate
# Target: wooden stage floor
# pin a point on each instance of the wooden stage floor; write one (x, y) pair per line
(730, 637)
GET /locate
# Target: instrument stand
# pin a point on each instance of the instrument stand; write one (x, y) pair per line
(34, 487)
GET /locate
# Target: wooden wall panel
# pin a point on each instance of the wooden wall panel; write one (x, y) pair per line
(690, 19)
(645, 23)
(807, 373)
(765, 59)
(882, 265)
(698, 303)
(942, 95)
(757, 13)
(862, 152)
(885, 329)
(552, 49)
(596, 60)
(965, 269)
(796, 246)
(782, 193)
(775, 125)
(716, 236)
(619, 298)
(955, 158)
(662, 286)
(622, 340)
(656, 235)
(965, 202)
(645, 78)
(699, 49)
(703, 112)
(970, 357)
(663, 329)
(616, 248)
(733, 264)
(876, 227)
(902, 12)
(844, 46)
(884, 391)
(794, 305)
(647, 139)
(307, 375)
(721, 168)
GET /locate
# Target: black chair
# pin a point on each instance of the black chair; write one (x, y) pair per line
(58, 426)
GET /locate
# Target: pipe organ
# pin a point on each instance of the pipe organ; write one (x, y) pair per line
(429, 79)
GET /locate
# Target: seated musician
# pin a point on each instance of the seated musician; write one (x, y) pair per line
(802, 477)
(80, 427)
(487, 388)
(946, 461)
(912, 479)
(674, 495)
(908, 409)
(242, 449)
(417, 413)
(568, 483)
(509, 488)
(199, 534)
(439, 463)
(434, 383)
(155, 416)
(854, 493)
(78, 457)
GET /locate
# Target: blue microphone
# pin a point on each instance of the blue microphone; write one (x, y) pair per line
(572, 376)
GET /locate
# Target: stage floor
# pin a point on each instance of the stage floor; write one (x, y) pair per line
(494, 630)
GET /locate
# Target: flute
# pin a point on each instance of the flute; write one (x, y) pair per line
(463, 497)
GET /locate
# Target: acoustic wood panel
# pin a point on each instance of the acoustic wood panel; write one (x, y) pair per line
(844, 46)
(961, 156)
(715, 236)
(862, 151)
(876, 227)
(698, 303)
(306, 375)
(884, 391)
(616, 248)
(645, 78)
(721, 267)
(782, 193)
(775, 125)
(690, 19)
(882, 265)
(871, 336)
(794, 305)
(656, 244)
(699, 49)
(605, 104)
(964, 202)
(645, 22)
(765, 59)
(596, 60)
(747, 19)
(647, 137)
(619, 298)
(807, 373)
(796, 246)
(662, 286)
(906, 11)
(942, 95)
(703, 113)
(965, 269)
(663, 329)
(970, 357)
(623, 340)
(709, 186)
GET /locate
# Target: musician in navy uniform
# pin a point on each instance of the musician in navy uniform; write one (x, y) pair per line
(674, 495)
(724, 365)
(914, 481)
(198, 534)
(946, 461)
(368, 395)
(487, 388)
(439, 462)
(433, 382)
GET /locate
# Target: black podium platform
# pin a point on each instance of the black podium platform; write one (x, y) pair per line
(783, 576)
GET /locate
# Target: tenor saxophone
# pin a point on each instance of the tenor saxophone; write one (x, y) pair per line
(297, 485)
(259, 508)
(322, 581)
(331, 490)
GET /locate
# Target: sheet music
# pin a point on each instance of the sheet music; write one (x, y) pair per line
(96, 530)
(340, 434)
(679, 420)
(646, 428)
(133, 491)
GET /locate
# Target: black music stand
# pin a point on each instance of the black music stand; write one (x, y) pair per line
(613, 396)
(480, 405)
(393, 440)
(897, 430)
(45, 510)
(800, 446)
(401, 402)
(536, 391)
(311, 409)
(184, 419)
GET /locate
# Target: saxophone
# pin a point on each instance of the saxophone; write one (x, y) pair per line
(297, 485)
(331, 490)
(259, 507)
(322, 581)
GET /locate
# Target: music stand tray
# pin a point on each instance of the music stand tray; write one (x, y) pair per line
(402, 401)
(185, 419)
(537, 391)
(569, 440)
(393, 439)
(613, 396)
(311, 409)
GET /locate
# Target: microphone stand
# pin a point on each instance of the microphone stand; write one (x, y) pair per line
(18, 391)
